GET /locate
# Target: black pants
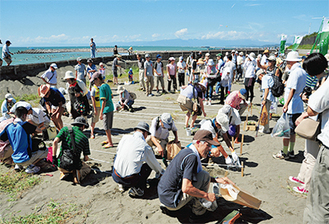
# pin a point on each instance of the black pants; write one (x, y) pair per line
(249, 85)
(138, 180)
(222, 94)
(174, 81)
(181, 79)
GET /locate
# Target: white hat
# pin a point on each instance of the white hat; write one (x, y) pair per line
(54, 66)
(226, 109)
(147, 56)
(222, 120)
(252, 55)
(272, 58)
(181, 58)
(210, 62)
(233, 51)
(8, 96)
(207, 54)
(226, 53)
(69, 75)
(293, 56)
(171, 59)
(101, 63)
(166, 120)
(237, 52)
(241, 53)
(79, 59)
(121, 89)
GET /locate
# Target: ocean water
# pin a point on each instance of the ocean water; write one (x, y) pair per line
(53, 57)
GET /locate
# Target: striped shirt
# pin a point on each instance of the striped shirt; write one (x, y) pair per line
(311, 81)
(81, 141)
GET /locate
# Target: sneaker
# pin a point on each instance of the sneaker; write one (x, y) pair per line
(209, 103)
(32, 169)
(158, 91)
(228, 161)
(121, 189)
(295, 180)
(152, 94)
(63, 176)
(136, 192)
(280, 155)
(149, 95)
(291, 154)
(18, 167)
(300, 190)
(265, 131)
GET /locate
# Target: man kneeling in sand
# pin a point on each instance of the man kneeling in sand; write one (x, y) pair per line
(134, 161)
(185, 180)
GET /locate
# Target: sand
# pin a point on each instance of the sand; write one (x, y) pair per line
(264, 177)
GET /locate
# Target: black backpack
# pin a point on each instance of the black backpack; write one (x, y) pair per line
(278, 87)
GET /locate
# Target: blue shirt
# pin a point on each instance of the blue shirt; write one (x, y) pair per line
(93, 47)
(80, 71)
(5, 51)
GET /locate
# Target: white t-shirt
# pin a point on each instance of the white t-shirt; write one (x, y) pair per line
(250, 67)
(297, 81)
(233, 116)
(319, 102)
(50, 76)
(264, 60)
(160, 133)
(38, 116)
(181, 66)
(267, 82)
(207, 125)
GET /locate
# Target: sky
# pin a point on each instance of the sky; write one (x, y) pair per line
(73, 22)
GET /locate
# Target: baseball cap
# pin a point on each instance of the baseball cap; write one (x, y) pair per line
(147, 56)
(54, 66)
(96, 75)
(142, 125)
(79, 59)
(158, 56)
(166, 120)
(8, 96)
(219, 55)
(243, 92)
(205, 135)
(222, 120)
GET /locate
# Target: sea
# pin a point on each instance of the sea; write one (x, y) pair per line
(19, 59)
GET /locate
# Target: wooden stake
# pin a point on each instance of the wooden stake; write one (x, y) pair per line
(226, 173)
(233, 142)
(242, 169)
(242, 138)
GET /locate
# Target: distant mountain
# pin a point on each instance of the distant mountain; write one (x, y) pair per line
(199, 43)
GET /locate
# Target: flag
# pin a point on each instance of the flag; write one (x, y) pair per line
(283, 43)
(297, 41)
(321, 41)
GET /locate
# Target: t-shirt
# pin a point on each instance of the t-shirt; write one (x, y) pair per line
(95, 93)
(319, 102)
(250, 67)
(114, 65)
(38, 116)
(297, 81)
(5, 51)
(148, 66)
(192, 92)
(160, 133)
(267, 82)
(20, 140)
(158, 67)
(184, 165)
(264, 60)
(311, 81)
(105, 93)
(141, 63)
(180, 66)
(171, 68)
(92, 67)
(81, 142)
(55, 97)
(80, 71)
(209, 125)
(93, 46)
(50, 76)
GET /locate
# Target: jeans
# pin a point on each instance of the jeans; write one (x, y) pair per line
(217, 87)
(181, 79)
(174, 81)
(92, 53)
(222, 94)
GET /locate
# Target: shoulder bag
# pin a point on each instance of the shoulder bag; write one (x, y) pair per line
(309, 128)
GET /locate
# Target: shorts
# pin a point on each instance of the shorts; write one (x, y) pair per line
(108, 120)
(95, 118)
(292, 118)
(7, 60)
(115, 74)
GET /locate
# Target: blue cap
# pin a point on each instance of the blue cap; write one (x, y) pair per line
(159, 56)
(130, 69)
(243, 91)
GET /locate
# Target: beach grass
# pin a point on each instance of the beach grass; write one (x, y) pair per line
(32, 99)
(54, 213)
(15, 183)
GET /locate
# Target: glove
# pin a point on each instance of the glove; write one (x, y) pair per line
(54, 161)
(145, 79)
(235, 157)
(228, 161)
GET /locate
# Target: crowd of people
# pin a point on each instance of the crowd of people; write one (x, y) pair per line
(200, 79)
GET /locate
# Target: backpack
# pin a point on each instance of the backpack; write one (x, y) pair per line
(133, 95)
(69, 160)
(278, 87)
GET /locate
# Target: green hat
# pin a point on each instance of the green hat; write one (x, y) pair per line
(219, 54)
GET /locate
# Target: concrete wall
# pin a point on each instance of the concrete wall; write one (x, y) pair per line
(18, 72)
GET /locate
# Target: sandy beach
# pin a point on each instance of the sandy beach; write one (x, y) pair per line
(99, 198)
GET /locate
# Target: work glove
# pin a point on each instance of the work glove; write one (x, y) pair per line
(235, 157)
(228, 161)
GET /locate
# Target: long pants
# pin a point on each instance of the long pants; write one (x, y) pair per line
(268, 107)
(202, 183)
(217, 87)
(250, 92)
(141, 79)
(211, 83)
(159, 79)
(222, 94)
(181, 79)
(149, 84)
(311, 152)
(138, 180)
(317, 210)
(174, 81)
(92, 53)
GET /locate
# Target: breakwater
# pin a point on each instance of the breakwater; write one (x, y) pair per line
(18, 72)
(66, 50)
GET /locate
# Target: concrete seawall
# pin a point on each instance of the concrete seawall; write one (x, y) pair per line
(18, 72)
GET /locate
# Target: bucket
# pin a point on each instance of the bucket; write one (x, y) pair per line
(188, 132)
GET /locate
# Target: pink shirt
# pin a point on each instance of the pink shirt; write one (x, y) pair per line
(171, 69)
(4, 146)
(234, 100)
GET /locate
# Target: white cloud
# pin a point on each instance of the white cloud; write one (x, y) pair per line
(52, 38)
(156, 35)
(181, 32)
(232, 35)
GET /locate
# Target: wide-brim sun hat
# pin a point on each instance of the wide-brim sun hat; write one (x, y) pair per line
(210, 62)
(8, 96)
(266, 52)
(166, 120)
(172, 59)
(222, 120)
(120, 89)
(69, 75)
(241, 53)
(219, 55)
(43, 90)
(252, 56)
(205, 135)
(200, 61)
(207, 55)
(96, 75)
(80, 121)
(293, 56)
(142, 125)
(101, 63)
